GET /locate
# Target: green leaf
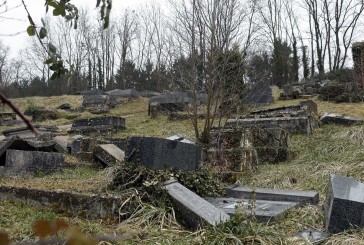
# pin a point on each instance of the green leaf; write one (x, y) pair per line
(31, 30)
(42, 33)
(53, 4)
(52, 48)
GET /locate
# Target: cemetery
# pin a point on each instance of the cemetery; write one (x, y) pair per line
(269, 166)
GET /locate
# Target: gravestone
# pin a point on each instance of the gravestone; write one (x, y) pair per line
(303, 197)
(109, 154)
(126, 93)
(24, 132)
(344, 205)
(98, 125)
(98, 101)
(328, 118)
(33, 162)
(61, 143)
(82, 147)
(260, 95)
(170, 102)
(157, 153)
(260, 209)
(194, 210)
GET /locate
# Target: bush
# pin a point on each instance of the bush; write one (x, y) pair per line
(331, 91)
(40, 113)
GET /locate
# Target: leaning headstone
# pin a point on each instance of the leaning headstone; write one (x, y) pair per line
(98, 125)
(109, 154)
(194, 210)
(157, 153)
(344, 206)
(303, 197)
(260, 209)
(32, 162)
(333, 118)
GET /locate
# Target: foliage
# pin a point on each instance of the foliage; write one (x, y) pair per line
(242, 229)
(331, 90)
(281, 63)
(259, 69)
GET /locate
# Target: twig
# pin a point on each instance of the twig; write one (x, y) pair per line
(30, 126)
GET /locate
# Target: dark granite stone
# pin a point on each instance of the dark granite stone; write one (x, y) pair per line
(260, 209)
(64, 106)
(303, 197)
(33, 162)
(157, 153)
(194, 210)
(83, 148)
(344, 206)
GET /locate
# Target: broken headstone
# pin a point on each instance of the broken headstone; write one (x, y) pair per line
(194, 210)
(344, 205)
(109, 154)
(327, 118)
(61, 143)
(98, 125)
(157, 153)
(303, 197)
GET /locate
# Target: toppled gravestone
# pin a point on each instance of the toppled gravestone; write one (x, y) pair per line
(332, 118)
(24, 132)
(91, 206)
(98, 101)
(194, 210)
(344, 205)
(244, 149)
(31, 162)
(260, 209)
(98, 125)
(109, 154)
(157, 153)
(302, 197)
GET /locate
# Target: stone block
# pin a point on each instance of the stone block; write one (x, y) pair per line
(83, 147)
(98, 125)
(332, 118)
(260, 209)
(32, 162)
(194, 210)
(24, 132)
(109, 154)
(61, 143)
(302, 197)
(157, 153)
(344, 205)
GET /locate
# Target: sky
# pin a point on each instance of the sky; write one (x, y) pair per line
(14, 22)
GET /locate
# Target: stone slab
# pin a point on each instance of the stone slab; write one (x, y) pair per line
(260, 209)
(99, 125)
(238, 191)
(24, 132)
(157, 153)
(194, 210)
(302, 125)
(33, 162)
(332, 118)
(89, 206)
(61, 143)
(109, 154)
(344, 205)
(312, 235)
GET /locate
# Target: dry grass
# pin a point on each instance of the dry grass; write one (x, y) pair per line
(331, 149)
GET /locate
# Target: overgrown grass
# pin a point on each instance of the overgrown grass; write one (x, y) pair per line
(330, 149)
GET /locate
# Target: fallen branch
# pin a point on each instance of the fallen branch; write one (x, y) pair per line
(30, 126)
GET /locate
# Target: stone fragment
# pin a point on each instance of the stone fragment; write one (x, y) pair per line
(303, 197)
(32, 162)
(344, 205)
(109, 154)
(157, 153)
(64, 106)
(328, 118)
(61, 143)
(260, 209)
(194, 210)
(312, 235)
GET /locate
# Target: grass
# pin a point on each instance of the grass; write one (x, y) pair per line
(330, 149)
